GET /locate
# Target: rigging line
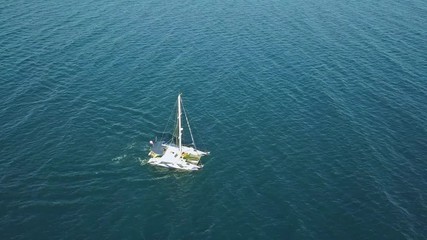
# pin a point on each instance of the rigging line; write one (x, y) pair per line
(188, 124)
(167, 124)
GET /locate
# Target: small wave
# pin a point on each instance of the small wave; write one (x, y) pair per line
(143, 161)
(119, 158)
(131, 145)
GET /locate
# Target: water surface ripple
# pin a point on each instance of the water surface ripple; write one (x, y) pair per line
(314, 112)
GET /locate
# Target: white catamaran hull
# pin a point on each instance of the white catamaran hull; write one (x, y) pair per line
(176, 165)
(172, 159)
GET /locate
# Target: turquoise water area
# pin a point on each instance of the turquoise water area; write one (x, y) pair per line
(315, 114)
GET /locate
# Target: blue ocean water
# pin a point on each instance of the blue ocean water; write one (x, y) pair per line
(315, 114)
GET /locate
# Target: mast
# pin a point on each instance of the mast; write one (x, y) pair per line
(179, 125)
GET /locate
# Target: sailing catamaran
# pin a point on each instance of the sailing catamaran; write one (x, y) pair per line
(173, 154)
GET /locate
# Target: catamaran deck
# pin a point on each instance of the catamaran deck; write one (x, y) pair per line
(172, 159)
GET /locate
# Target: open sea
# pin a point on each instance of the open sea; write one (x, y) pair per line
(315, 114)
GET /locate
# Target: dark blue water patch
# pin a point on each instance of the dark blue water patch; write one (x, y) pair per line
(314, 114)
